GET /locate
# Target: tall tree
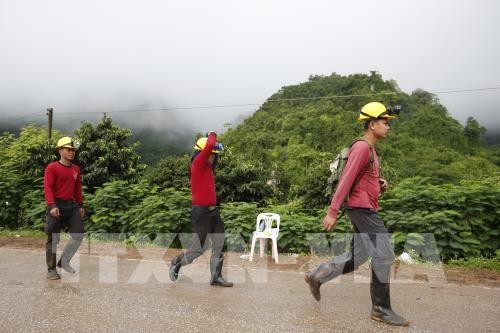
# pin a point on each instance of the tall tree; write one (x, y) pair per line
(474, 132)
(170, 172)
(105, 154)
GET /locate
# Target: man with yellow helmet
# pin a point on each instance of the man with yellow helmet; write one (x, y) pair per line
(361, 184)
(205, 216)
(62, 184)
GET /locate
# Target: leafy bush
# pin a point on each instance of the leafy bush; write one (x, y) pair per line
(33, 208)
(111, 203)
(464, 219)
(167, 211)
(22, 162)
(10, 194)
(119, 207)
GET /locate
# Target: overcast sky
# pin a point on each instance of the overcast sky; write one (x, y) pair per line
(81, 56)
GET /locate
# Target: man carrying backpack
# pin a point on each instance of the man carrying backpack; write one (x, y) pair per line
(361, 184)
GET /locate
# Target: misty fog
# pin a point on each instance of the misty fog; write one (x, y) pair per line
(211, 64)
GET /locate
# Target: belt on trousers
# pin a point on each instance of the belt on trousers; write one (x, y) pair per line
(371, 210)
(210, 208)
(65, 201)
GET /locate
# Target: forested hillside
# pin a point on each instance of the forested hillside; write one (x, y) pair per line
(444, 181)
(299, 129)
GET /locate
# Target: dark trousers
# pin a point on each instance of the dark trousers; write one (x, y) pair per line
(206, 221)
(70, 221)
(370, 239)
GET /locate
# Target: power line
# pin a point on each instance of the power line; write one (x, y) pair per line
(25, 116)
(235, 105)
(255, 104)
(464, 90)
(168, 109)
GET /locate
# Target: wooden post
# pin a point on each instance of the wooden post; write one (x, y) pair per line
(50, 112)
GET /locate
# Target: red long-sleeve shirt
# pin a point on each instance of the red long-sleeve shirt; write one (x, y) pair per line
(366, 190)
(62, 182)
(202, 176)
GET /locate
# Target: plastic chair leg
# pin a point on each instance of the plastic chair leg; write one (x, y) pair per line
(275, 250)
(262, 246)
(253, 248)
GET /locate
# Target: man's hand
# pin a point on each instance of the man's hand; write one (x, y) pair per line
(82, 212)
(329, 222)
(383, 184)
(54, 212)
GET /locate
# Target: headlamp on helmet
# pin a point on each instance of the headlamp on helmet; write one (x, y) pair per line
(394, 110)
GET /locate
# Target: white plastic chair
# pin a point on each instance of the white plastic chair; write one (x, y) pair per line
(266, 229)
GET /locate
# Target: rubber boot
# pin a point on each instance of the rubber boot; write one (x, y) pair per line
(216, 278)
(51, 264)
(175, 266)
(68, 253)
(328, 271)
(381, 300)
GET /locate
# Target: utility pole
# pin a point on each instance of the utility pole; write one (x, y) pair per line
(50, 112)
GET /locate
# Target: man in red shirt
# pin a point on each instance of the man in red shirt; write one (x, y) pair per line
(205, 217)
(62, 184)
(361, 184)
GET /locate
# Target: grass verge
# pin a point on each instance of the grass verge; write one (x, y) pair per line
(22, 233)
(493, 263)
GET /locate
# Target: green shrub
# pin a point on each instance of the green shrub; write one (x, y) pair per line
(33, 208)
(10, 194)
(111, 203)
(464, 219)
(168, 211)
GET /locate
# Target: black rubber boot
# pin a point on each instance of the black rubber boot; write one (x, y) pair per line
(68, 253)
(51, 264)
(328, 271)
(381, 300)
(175, 266)
(216, 278)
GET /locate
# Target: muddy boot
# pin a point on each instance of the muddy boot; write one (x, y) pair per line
(216, 278)
(51, 265)
(381, 300)
(175, 266)
(328, 271)
(68, 253)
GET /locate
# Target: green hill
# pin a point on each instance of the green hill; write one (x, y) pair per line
(297, 131)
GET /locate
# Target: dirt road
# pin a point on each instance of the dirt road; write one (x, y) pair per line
(118, 290)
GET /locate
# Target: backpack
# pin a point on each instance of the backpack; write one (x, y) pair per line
(337, 167)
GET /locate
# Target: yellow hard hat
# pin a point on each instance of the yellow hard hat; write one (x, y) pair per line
(201, 143)
(67, 142)
(375, 110)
